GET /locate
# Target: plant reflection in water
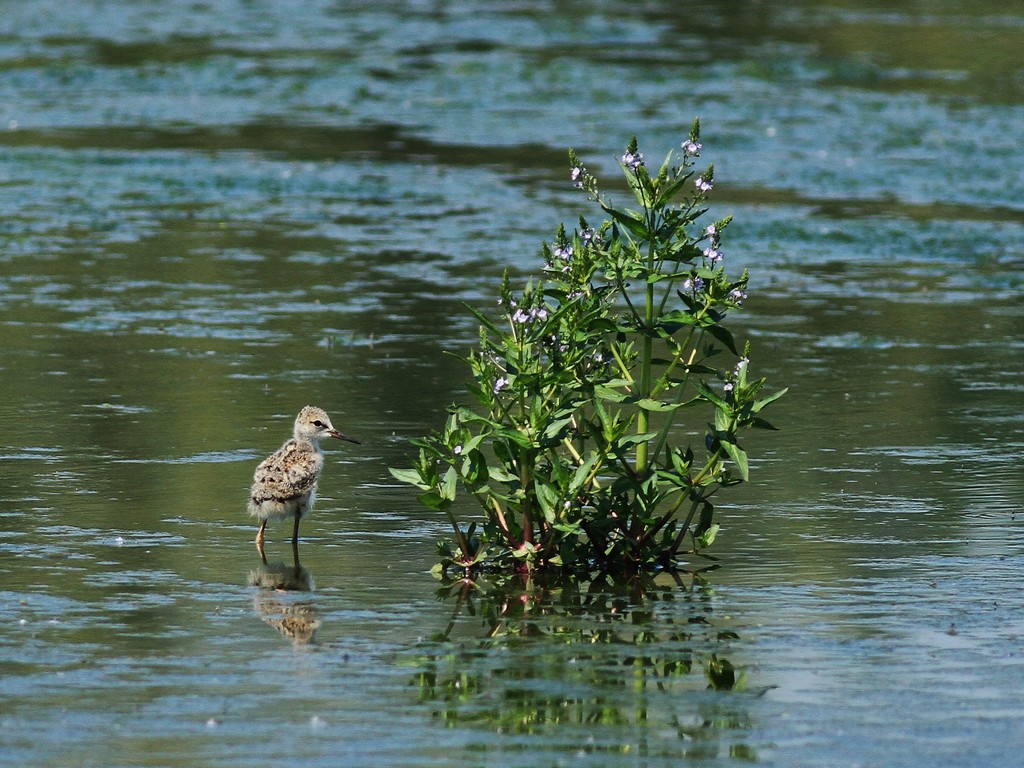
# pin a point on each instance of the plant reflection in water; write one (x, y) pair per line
(296, 619)
(634, 666)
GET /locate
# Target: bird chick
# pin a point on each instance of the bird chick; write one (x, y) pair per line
(285, 482)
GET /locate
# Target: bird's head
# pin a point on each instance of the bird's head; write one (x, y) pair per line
(314, 424)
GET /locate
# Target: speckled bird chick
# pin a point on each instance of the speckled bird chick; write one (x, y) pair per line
(285, 482)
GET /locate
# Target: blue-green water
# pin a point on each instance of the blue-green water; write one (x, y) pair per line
(213, 213)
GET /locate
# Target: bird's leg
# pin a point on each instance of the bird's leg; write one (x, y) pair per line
(295, 534)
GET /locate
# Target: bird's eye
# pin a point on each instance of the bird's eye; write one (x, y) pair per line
(318, 423)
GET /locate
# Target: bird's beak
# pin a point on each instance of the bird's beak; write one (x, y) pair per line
(342, 436)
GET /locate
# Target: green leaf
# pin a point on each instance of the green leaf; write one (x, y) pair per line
(483, 319)
(682, 462)
(581, 474)
(474, 469)
(643, 437)
(722, 334)
(547, 497)
(707, 538)
(525, 552)
(410, 476)
(640, 185)
(657, 406)
(707, 518)
(634, 225)
(501, 475)
(710, 395)
(739, 456)
(514, 435)
(449, 484)
(432, 500)
(671, 190)
(722, 419)
(759, 404)
(556, 428)
(607, 393)
(571, 529)
(678, 316)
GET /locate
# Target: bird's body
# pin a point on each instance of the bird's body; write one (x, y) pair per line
(285, 482)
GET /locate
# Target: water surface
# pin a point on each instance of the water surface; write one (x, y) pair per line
(213, 214)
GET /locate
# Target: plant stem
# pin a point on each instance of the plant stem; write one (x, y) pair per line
(524, 484)
(708, 466)
(695, 482)
(623, 367)
(685, 529)
(459, 535)
(670, 418)
(643, 417)
(650, 532)
(499, 515)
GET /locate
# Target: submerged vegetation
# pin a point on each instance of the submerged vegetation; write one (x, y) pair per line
(595, 370)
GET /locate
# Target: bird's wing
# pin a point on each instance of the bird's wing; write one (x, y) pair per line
(289, 473)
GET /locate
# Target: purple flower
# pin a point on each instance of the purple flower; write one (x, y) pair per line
(633, 160)
(500, 384)
(691, 147)
(713, 255)
(525, 316)
(737, 295)
(564, 252)
(580, 176)
(693, 283)
(703, 185)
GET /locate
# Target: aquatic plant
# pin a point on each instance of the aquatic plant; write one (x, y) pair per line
(582, 387)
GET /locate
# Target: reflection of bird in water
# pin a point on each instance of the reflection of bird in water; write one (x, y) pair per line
(278, 577)
(285, 482)
(297, 620)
